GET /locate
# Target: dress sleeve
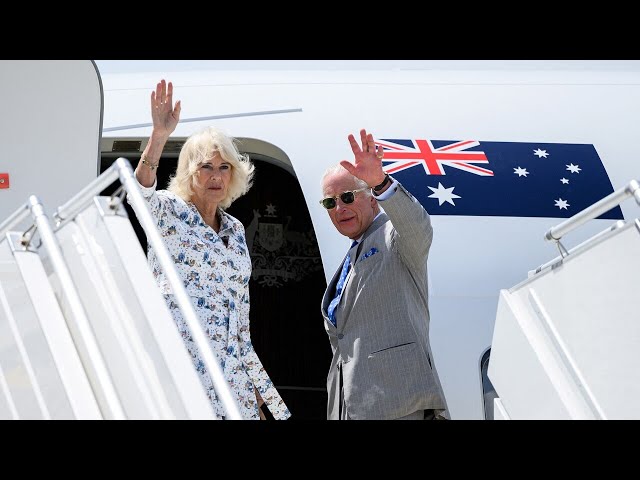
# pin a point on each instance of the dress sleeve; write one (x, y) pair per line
(160, 206)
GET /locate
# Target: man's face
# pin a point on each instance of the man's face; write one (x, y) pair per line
(351, 219)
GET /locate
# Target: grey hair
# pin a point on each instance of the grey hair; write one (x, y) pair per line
(339, 169)
(199, 148)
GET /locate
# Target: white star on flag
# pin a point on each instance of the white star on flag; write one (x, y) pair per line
(573, 168)
(540, 153)
(564, 180)
(522, 172)
(562, 204)
(443, 194)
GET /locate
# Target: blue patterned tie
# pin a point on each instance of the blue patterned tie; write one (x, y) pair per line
(340, 285)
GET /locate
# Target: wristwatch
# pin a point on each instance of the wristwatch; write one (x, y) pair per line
(386, 180)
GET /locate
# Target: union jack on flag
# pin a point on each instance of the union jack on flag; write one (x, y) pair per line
(517, 179)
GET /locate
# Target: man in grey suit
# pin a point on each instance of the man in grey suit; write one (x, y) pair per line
(376, 308)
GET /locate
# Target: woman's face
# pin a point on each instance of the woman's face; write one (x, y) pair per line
(211, 182)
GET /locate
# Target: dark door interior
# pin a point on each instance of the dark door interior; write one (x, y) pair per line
(286, 285)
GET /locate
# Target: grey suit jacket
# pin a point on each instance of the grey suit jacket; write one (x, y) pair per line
(381, 343)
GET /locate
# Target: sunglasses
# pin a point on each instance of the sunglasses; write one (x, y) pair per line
(346, 197)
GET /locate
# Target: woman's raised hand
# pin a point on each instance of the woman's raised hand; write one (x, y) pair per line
(164, 114)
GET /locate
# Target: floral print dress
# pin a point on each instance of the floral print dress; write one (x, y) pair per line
(216, 277)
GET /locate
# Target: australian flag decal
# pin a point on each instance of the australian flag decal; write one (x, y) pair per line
(499, 178)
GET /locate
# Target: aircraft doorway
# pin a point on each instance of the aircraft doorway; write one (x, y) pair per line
(286, 289)
(286, 285)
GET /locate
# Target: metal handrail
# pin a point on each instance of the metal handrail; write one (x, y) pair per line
(84, 196)
(121, 169)
(221, 386)
(632, 189)
(88, 348)
(558, 260)
(15, 218)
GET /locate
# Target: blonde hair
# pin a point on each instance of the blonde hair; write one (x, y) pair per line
(199, 148)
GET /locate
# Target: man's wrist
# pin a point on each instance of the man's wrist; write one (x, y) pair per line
(382, 184)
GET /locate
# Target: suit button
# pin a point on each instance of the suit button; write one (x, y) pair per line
(340, 336)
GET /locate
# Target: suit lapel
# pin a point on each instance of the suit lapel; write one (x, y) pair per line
(355, 252)
(355, 256)
(380, 221)
(329, 293)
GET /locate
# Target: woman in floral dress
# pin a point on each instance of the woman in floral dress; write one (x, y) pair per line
(210, 251)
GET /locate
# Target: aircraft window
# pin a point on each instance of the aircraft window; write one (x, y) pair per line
(488, 392)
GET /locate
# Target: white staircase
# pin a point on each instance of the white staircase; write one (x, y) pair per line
(566, 342)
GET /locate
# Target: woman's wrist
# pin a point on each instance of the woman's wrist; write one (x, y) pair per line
(150, 165)
(159, 138)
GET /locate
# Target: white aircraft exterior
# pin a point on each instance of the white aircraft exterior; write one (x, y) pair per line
(296, 116)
